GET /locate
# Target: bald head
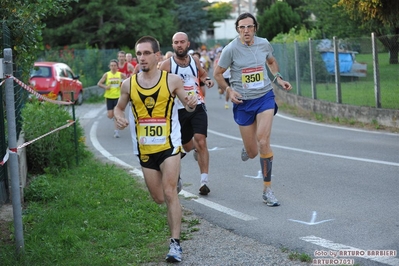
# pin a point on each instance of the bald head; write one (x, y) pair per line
(180, 35)
(180, 44)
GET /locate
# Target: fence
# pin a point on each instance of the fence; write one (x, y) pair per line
(369, 74)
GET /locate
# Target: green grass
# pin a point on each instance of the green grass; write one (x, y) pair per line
(360, 91)
(95, 214)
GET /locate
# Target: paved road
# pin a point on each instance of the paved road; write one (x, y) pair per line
(337, 186)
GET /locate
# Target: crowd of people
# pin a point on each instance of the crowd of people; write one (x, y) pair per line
(165, 96)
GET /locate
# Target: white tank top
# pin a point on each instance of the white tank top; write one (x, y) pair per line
(189, 75)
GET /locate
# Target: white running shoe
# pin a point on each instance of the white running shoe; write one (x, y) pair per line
(269, 198)
(175, 252)
(244, 155)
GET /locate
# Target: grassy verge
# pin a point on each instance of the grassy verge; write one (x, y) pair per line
(95, 214)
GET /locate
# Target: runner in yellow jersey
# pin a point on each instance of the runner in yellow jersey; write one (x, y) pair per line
(111, 82)
(152, 95)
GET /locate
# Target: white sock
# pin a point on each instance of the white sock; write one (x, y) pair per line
(204, 179)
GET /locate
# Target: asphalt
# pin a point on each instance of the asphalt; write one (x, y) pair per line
(209, 244)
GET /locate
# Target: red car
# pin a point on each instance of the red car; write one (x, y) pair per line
(56, 81)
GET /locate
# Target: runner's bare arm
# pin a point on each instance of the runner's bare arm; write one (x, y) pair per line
(119, 110)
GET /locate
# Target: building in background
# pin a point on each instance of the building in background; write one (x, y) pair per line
(224, 31)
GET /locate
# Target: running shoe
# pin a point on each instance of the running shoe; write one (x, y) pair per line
(116, 134)
(204, 190)
(269, 198)
(175, 252)
(179, 185)
(195, 154)
(226, 106)
(244, 155)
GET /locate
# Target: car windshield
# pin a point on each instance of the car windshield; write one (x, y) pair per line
(41, 71)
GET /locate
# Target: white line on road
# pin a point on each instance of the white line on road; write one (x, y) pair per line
(210, 204)
(337, 127)
(313, 152)
(336, 246)
(218, 207)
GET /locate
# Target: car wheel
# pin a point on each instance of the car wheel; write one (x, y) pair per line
(79, 100)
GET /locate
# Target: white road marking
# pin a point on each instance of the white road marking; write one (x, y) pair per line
(104, 152)
(336, 246)
(138, 172)
(256, 177)
(314, 152)
(336, 127)
(312, 220)
(218, 207)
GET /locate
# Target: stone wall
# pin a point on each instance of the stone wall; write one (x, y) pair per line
(384, 117)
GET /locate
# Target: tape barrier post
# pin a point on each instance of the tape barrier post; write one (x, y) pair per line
(13, 161)
(74, 129)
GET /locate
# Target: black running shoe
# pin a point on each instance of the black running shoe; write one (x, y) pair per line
(204, 190)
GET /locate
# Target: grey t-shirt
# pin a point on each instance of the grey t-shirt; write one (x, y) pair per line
(248, 67)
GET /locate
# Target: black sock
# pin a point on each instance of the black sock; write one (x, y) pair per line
(177, 241)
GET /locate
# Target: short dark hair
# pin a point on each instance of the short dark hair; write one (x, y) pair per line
(154, 43)
(247, 15)
(113, 61)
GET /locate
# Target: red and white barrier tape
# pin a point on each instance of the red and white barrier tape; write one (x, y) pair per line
(14, 150)
(32, 91)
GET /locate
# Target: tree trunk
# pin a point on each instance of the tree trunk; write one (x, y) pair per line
(392, 44)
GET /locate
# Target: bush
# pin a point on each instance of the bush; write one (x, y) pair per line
(40, 190)
(57, 150)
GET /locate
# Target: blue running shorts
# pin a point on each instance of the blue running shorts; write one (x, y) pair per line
(245, 113)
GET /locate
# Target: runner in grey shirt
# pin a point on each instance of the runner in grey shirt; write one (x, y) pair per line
(251, 94)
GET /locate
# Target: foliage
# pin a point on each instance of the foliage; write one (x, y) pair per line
(191, 18)
(264, 5)
(40, 190)
(385, 11)
(218, 12)
(280, 18)
(299, 35)
(54, 151)
(24, 19)
(111, 24)
(332, 20)
(381, 16)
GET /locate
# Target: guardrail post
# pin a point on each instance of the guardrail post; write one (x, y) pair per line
(312, 74)
(337, 72)
(297, 74)
(376, 71)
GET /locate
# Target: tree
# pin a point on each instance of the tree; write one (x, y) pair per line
(24, 19)
(192, 17)
(280, 18)
(111, 24)
(331, 20)
(218, 12)
(263, 5)
(381, 16)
